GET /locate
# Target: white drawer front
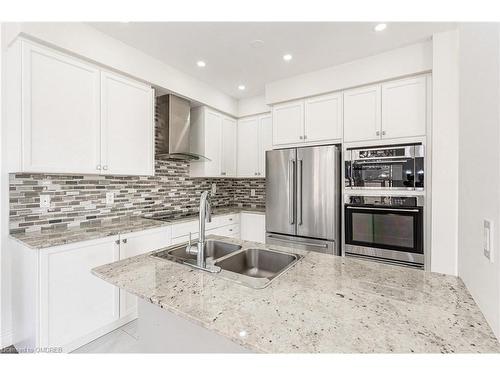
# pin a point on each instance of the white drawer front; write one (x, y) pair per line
(183, 229)
(228, 231)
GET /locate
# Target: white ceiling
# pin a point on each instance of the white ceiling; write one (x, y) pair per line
(232, 60)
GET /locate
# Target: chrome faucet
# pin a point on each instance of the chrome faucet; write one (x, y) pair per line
(205, 215)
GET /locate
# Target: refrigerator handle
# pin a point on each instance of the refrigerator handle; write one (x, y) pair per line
(299, 192)
(291, 190)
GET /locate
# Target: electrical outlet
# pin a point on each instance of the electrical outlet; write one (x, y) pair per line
(488, 239)
(214, 188)
(44, 201)
(252, 192)
(110, 197)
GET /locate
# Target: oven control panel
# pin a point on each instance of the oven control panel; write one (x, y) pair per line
(386, 201)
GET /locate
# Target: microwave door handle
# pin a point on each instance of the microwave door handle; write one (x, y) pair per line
(291, 191)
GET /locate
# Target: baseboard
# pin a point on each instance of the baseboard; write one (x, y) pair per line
(98, 333)
(6, 339)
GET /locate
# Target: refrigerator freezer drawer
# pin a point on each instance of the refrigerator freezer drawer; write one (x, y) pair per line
(302, 243)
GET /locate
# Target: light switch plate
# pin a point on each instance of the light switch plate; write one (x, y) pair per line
(214, 188)
(488, 240)
(44, 201)
(110, 197)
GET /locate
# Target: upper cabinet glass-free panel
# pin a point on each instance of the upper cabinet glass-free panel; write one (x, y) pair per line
(362, 120)
(61, 125)
(288, 123)
(404, 109)
(323, 118)
(127, 126)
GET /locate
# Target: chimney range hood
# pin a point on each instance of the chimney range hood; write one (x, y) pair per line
(172, 116)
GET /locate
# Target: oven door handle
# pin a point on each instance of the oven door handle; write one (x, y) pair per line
(382, 209)
(369, 162)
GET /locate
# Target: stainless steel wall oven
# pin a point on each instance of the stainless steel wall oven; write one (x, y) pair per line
(388, 167)
(386, 228)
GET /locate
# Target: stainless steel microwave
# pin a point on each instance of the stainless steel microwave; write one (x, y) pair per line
(399, 167)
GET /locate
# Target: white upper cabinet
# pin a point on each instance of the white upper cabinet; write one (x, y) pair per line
(362, 107)
(228, 152)
(288, 123)
(265, 141)
(314, 120)
(404, 109)
(76, 118)
(254, 139)
(60, 113)
(213, 135)
(127, 126)
(248, 147)
(323, 118)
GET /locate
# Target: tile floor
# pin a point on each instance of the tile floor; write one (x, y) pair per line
(121, 340)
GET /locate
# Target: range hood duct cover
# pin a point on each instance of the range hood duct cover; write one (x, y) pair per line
(173, 120)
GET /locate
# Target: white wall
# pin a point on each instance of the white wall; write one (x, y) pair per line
(252, 106)
(444, 141)
(5, 311)
(83, 40)
(479, 164)
(416, 58)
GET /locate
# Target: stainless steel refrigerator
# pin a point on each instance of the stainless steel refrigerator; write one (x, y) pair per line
(303, 198)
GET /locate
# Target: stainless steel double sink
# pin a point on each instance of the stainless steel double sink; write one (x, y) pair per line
(253, 267)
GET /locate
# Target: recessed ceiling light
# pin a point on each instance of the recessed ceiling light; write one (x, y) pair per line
(241, 87)
(380, 27)
(201, 64)
(287, 57)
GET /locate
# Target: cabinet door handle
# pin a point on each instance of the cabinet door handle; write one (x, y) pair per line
(383, 132)
(223, 173)
(117, 242)
(301, 137)
(105, 167)
(124, 240)
(378, 133)
(98, 167)
(305, 136)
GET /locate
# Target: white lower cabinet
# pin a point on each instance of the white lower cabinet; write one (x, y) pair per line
(253, 227)
(131, 245)
(74, 304)
(59, 303)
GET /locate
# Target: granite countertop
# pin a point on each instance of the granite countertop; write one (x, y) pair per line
(324, 303)
(127, 224)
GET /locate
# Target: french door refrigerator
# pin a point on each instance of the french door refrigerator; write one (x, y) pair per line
(303, 198)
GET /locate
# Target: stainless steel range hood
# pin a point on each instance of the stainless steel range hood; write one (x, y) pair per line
(172, 116)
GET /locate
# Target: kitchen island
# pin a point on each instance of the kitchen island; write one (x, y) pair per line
(323, 304)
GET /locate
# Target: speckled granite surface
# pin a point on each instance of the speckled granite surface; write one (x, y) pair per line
(56, 237)
(323, 304)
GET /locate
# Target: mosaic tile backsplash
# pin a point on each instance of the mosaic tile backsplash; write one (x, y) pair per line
(79, 200)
